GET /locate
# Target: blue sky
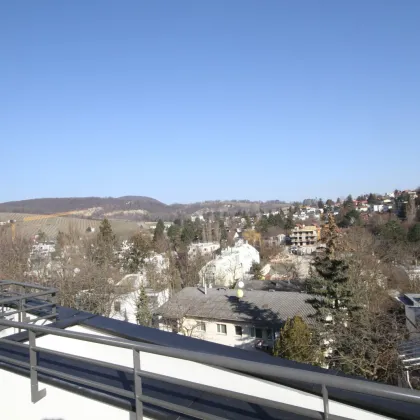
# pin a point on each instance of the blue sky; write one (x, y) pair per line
(192, 100)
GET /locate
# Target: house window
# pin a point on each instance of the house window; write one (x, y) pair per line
(201, 326)
(270, 334)
(221, 328)
(238, 330)
(256, 332)
(117, 306)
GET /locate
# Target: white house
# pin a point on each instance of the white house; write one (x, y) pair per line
(217, 315)
(204, 248)
(153, 278)
(42, 249)
(230, 266)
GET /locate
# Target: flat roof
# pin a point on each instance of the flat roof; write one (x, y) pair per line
(222, 406)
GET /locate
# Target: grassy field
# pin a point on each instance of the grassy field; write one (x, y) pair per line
(53, 225)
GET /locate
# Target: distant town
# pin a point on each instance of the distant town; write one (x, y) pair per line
(318, 281)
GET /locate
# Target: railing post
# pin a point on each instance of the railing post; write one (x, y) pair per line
(326, 404)
(54, 302)
(24, 317)
(36, 394)
(137, 384)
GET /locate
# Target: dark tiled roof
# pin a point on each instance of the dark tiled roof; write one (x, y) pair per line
(255, 306)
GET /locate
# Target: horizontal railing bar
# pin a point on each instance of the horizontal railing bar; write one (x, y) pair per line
(28, 308)
(84, 359)
(29, 285)
(195, 385)
(41, 317)
(14, 343)
(255, 368)
(237, 395)
(78, 380)
(178, 408)
(176, 381)
(23, 296)
(14, 362)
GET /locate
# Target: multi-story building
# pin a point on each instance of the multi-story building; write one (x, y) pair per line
(305, 235)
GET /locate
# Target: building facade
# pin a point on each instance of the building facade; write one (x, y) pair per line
(231, 266)
(219, 316)
(305, 235)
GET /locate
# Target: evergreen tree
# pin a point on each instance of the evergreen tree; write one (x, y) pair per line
(174, 234)
(372, 199)
(159, 233)
(296, 342)
(106, 244)
(263, 224)
(414, 233)
(348, 203)
(143, 314)
(333, 298)
(223, 232)
(105, 231)
(256, 270)
(188, 233)
(136, 255)
(393, 231)
(41, 236)
(198, 229)
(289, 224)
(321, 204)
(248, 224)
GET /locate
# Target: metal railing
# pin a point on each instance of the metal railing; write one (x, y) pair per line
(253, 368)
(19, 299)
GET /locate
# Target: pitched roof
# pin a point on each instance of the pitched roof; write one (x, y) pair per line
(256, 306)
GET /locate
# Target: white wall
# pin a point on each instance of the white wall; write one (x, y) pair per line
(15, 390)
(230, 266)
(246, 341)
(128, 304)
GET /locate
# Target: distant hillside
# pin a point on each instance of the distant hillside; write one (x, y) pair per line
(104, 205)
(133, 208)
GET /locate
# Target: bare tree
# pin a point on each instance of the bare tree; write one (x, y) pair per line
(14, 256)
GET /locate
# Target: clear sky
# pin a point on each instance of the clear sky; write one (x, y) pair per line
(192, 100)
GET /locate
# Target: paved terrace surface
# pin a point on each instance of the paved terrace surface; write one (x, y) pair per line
(225, 407)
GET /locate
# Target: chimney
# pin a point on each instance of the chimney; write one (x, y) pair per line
(205, 285)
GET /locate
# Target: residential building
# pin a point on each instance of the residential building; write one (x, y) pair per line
(155, 283)
(305, 235)
(274, 237)
(203, 248)
(411, 302)
(218, 315)
(231, 265)
(89, 367)
(125, 304)
(42, 250)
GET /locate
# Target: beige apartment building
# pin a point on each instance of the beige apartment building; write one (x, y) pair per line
(305, 235)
